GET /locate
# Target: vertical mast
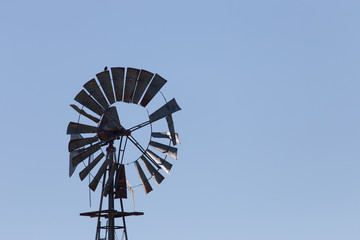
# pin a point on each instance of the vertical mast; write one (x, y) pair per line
(111, 151)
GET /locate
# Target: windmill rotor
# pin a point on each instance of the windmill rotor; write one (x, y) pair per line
(102, 126)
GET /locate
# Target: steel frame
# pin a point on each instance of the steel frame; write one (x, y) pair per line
(110, 214)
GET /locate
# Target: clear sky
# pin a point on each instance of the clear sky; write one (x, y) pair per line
(269, 127)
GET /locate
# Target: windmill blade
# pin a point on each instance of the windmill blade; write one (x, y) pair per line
(93, 88)
(131, 193)
(170, 123)
(109, 182)
(78, 143)
(131, 78)
(169, 108)
(165, 165)
(75, 136)
(156, 84)
(96, 180)
(73, 154)
(85, 154)
(154, 173)
(120, 183)
(143, 179)
(82, 112)
(84, 99)
(87, 170)
(143, 82)
(105, 82)
(76, 128)
(165, 135)
(168, 150)
(118, 79)
(72, 167)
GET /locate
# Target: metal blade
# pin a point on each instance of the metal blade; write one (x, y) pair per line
(82, 112)
(87, 170)
(105, 82)
(76, 128)
(71, 166)
(118, 79)
(73, 154)
(84, 99)
(169, 108)
(99, 174)
(143, 82)
(165, 165)
(85, 154)
(78, 143)
(131, 78)
(93, 88)
(131, 193)
(110, 180)
(168, 150)
(75, 136)
(154, 173)
(144, 181)
(170, 123)
(165, 135)
(120, 183)
(154, 87)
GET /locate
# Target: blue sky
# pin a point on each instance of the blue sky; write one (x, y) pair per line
(269, 126)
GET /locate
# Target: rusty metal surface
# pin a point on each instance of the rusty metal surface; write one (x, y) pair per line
(93, 88)
(120, 183)
(84, 99)
(105, 82)
(131, 79)
(96, 180)
(170, 123)
(165, 165)
(118, 79)
(165, 135)
(82, 112)
(76, 128)
(85, 154)
(78, 143)
(146, 185)
(154, 173)
(168, 150)
(167, 109)
(88, 168)
(143, 82)
(156, 84)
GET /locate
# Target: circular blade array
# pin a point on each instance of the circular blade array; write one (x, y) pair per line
(129, 85)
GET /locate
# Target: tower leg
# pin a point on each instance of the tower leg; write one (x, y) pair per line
(124, 223)
(111, 149)
(111, 217)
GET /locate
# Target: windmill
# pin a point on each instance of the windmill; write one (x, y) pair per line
(93, 144)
